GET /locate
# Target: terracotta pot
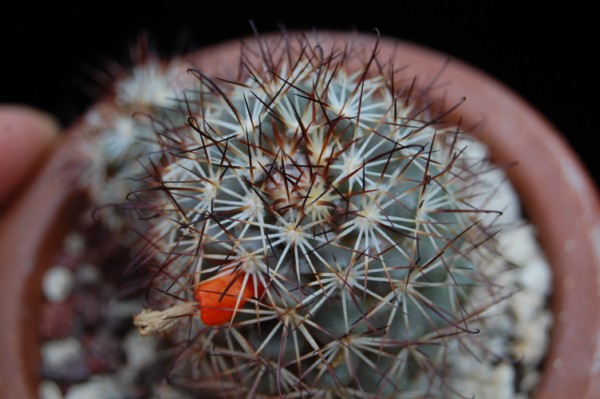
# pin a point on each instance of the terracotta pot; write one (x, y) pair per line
(557, 195)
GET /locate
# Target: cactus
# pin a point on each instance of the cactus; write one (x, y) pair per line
(313, 228)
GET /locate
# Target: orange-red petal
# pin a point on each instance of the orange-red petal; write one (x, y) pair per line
(218, 297)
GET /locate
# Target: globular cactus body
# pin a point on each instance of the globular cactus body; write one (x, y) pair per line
(326, 220)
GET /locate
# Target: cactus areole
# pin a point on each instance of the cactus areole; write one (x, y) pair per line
(328, 221)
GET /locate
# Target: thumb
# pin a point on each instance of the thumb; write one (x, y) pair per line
(25, 133)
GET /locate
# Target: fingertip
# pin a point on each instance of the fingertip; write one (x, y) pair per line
(28, 120)
(25, 134)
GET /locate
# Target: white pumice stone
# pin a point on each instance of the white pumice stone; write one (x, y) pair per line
(57, 283)
(88, 273)
(49, 389)
(56, 354)
(532, 340)
(103, 387)
(536, 276)
(140, 351)
(166, 391)
(74, 244)
(519, 245)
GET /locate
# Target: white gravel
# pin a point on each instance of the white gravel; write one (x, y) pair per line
(99, 387)
(140, 351)
(517, 329)
(88, 274)
(56, 354)
(514, 329)
(49, 390)
(74, 244)
(57, 283)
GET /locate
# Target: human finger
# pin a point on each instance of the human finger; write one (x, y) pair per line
(25, 133)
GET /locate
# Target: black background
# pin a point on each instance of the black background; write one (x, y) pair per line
(545, 54)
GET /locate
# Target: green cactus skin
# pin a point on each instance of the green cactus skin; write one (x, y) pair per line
(337, 193)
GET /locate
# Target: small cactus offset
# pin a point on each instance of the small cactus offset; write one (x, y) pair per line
(314, 228)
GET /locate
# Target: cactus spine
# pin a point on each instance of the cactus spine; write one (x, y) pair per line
(314, 228)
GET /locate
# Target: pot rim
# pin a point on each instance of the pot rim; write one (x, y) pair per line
(556, 191)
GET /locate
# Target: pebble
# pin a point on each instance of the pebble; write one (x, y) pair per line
(532, 340)
(529, 381)
(477, 379)
(518, 327)
(57, 283)
(99, 387)
(88, 274)
(536, 277)
(139, 351)
(167, 391)
(56, 354)
(64, 360)
(519, 245)
(74, 244)
(49, 390)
